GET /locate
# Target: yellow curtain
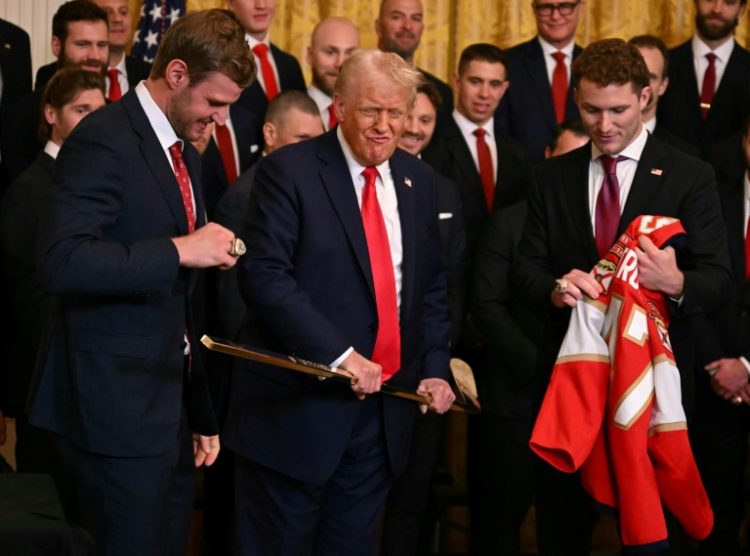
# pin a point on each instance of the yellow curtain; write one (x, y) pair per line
(451, 25)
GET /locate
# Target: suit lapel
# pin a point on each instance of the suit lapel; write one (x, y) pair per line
(537, 68)
(456, 145)
(645, 183)
(338, 183)
(154, 156)
(407, 208)
(576, 173)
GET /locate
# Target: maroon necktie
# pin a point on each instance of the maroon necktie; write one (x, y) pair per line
(559, 86)
(709, 85)
(387, 350)
(332, 120)
(183, 179)
(608, 206)
(269, 78)
(486, 171)
(115, 93)
(226, 150)
(747, 250)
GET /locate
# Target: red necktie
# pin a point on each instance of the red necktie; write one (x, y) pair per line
(183, 179)
(226, 150)
(387, 350)
(559, 86)
(747, 250)
(709, 85)
(115, 93)
(608, 206)
(269, 78)
(332, 120)
(486, 172)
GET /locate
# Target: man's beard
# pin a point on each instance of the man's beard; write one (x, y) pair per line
(319, 80)
(712, 32)
(65, 62)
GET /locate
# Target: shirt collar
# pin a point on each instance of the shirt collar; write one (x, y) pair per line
(253, 42)
(633, 151)
(120, 67)
(468, 127)
(723, 52)
(650, 125)
(355, 168)
(549, 48)
(321, 99)
(52, 149)
(164, 131)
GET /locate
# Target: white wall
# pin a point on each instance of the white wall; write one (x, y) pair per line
(35, 17)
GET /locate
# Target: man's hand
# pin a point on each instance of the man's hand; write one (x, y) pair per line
(206, 247)
(366, 372)
(2, 429)
(577, 284)
(439, 391)
(728, 377)
(205, 449)
(657, 269)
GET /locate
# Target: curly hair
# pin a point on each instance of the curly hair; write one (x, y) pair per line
(612, 62)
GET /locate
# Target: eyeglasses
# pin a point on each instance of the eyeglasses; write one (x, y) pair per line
(564, 8)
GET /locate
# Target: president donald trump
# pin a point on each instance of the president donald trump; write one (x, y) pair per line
(342, 267)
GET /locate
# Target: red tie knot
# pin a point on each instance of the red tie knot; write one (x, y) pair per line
(260, 50)
(480, 133)
(371, 174)
(176, 149)
(112, 74)
(559, 57)
(609, 163)
(711, 57)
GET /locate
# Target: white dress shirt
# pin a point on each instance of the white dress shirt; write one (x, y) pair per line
(700, 62)
(52, 149)
(388, 201)
(625, 171)
(468, 128)
(322, 101)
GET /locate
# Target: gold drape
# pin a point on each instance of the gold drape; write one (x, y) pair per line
(451, 25)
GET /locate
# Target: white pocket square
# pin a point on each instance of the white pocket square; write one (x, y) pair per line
(254, 148)
(445, 215)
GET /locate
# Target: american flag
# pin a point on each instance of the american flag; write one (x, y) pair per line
(156, 17)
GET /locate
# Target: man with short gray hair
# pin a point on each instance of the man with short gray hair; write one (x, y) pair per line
(342, 267)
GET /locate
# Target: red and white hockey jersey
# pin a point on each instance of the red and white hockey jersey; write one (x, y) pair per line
(613, 406)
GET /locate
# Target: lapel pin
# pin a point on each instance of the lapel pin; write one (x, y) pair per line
(407, 182)
(656, 171)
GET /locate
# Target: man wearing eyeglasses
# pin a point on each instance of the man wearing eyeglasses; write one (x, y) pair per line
(541, 95)
(709, 75)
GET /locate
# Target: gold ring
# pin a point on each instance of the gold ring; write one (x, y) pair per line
(238, 247)
(737, 400)
(561, 285)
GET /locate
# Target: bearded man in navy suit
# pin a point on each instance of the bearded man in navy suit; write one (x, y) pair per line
(315, 459)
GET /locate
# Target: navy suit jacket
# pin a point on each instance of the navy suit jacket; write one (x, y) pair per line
(558, 237)
(112, 370)
(15, 62)
(290, 78)
(307, 278)
(679, 109)
(526, 113)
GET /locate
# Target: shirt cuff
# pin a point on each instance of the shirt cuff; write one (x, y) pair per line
(340, 358)
(746, 363)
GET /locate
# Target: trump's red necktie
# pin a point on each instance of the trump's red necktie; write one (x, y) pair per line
(387, 350)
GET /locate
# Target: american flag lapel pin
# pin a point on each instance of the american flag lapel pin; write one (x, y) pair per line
(407, 182)
(656, 171)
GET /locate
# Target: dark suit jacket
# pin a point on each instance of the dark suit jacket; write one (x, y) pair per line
(446, 94)
(249, 147)
(449, 154)
(558, 237)
(290, 78)
(679, 108)
(526, 113)
(307, 277)
(15, 63)
(666, 136)
(19, 139)
(20, 217)
(112, 370)
(136, 68)
(511, 330)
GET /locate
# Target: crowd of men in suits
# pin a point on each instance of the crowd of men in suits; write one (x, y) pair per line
(359, 255)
